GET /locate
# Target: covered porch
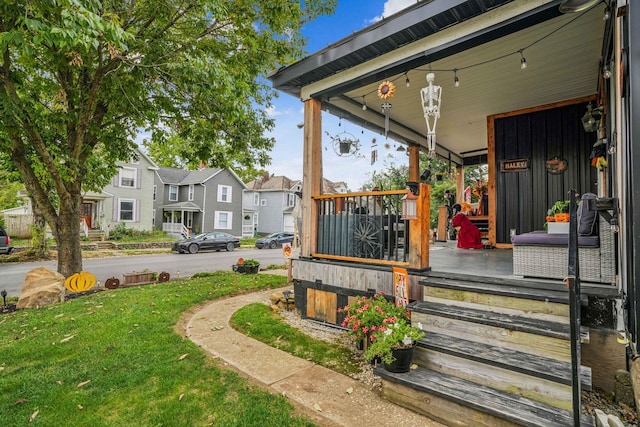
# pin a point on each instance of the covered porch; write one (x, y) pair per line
(515, 80)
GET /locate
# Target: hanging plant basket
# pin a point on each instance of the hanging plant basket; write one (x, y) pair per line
(345, 147)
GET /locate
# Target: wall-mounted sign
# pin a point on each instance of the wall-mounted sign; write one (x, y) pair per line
(556, 165)
(515, 165)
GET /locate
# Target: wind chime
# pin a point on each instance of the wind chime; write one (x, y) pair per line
(431, 107)
(386, 90)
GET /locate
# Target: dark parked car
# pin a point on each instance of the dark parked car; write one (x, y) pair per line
(5, 240)
(274, 240)
(207, 241)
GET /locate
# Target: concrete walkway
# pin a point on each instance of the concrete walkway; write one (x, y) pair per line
(329, 398)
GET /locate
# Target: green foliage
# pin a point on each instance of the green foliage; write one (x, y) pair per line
(250, 262)
(260, 322)
(123, 233)
(124, 342)
(366, 314)
(378, 320)
(81, 78)
(391, 336)
(561, 206)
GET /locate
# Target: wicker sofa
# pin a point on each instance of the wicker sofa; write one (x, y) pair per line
(538, 254)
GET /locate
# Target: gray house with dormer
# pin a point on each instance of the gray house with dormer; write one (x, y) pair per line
(270, 203)
(192, 202)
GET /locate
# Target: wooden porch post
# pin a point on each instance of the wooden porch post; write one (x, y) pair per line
(491, 184)
(459, 184)
(419, 229)
(311, 176)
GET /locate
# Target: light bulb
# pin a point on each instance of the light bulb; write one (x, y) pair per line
(456, 81)
(606, 72)
(523, 63)
(406, 80)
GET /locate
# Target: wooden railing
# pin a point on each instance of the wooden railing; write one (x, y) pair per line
(363, 227)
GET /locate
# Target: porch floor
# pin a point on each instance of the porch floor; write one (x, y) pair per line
(445, 257)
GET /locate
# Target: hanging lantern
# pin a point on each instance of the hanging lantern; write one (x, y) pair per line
(409, 206)
(431, 107)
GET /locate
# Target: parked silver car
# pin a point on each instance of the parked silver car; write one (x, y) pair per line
(5, 240)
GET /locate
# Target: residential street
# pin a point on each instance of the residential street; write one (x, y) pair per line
(12, 274)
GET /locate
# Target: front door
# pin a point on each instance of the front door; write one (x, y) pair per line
(85, 213)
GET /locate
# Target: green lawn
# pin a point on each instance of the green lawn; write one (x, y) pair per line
(262, 323)
(114, 358)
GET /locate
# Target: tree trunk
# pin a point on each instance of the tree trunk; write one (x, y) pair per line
(67, 235)
(39, 247)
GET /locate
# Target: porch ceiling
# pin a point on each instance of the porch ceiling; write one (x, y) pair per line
(563, 55)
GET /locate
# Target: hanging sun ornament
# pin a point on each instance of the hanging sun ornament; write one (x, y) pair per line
(431, 107)
(386, 90)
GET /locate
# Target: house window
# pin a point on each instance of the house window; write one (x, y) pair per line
(126, 210)
(291, 200)
(224, 193)
(153, 217)
(134, 161)
(263, 202)
(128, 177)
(173, 193)
(155, 192)
(191, 191)
(256, 199)
(223, 220)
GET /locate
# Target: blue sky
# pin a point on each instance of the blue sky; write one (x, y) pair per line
(350, 16)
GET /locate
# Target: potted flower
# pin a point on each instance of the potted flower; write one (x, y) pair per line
(384, 329)
(394, 344)
(246, 266)
(366, 314)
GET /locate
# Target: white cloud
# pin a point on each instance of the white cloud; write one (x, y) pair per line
(272, 111)
(393, 6)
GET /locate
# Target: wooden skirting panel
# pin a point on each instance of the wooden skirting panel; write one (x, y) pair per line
(445, 411)
(358, 277)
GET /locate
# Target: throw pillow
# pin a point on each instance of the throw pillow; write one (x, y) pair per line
(587, 219)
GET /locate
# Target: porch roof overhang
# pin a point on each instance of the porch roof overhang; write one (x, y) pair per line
(481, 40)
(182, 206)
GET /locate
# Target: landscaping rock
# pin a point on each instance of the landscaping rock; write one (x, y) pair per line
(42, 287)
(279, 300)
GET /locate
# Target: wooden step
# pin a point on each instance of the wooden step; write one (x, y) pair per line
(499, 299)
(439, 396)
(513, 372)
(499, 320)
(514, 290)
(538, 337)
(541, 367)
(598, 290)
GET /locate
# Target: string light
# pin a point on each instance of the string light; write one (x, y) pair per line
(606, 72)
(523, 60)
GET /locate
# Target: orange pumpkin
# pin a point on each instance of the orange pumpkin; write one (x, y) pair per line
(562, 217)
(550, 218)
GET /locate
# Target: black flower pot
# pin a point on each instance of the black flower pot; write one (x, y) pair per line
(402, 360)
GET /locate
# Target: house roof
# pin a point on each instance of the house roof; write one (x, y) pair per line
(274, 183)
(182, 206)
(186, 177)
(479, 41)
(282, 183)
